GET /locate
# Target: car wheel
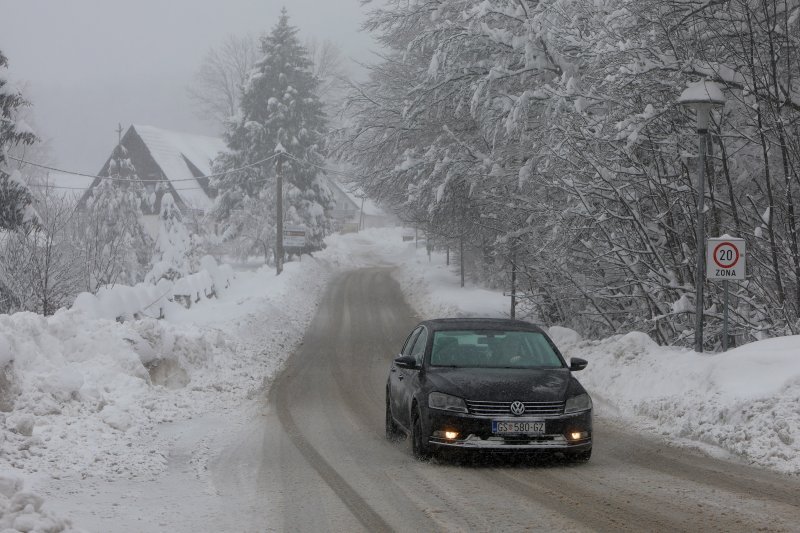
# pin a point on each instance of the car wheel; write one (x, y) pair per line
(419, 444)
(580, 457)
(393, 431)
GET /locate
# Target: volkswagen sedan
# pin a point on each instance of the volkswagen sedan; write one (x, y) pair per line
(487, 384)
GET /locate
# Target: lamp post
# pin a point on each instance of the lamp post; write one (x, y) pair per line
(702, 97)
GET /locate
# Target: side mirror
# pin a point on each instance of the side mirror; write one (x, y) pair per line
(576, 363)
(406, 361)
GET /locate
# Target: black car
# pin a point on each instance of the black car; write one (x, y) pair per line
(487, 384)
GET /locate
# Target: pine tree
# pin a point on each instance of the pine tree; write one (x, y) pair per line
(279, 108)
(176, 251)
(16, 201)
(117, 247)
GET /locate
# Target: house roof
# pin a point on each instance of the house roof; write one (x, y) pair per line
(354, 194)
(176, 153)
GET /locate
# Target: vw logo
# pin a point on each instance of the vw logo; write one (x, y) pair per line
(517, 408)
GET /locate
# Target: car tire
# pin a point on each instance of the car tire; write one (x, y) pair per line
(419, 444)
(393, 431)
(580, 457)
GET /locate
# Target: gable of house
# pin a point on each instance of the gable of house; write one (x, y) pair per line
(178, 159)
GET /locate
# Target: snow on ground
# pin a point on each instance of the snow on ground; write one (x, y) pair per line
(22, 511)
(116, 423)
(744, 403)
(88, 402)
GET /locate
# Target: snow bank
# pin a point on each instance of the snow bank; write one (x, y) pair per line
(83, 395)
(157, 301)
(22, 511)
(77, 387)
(746, 401)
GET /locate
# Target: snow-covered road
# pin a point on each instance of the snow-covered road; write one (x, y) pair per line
(334, 471)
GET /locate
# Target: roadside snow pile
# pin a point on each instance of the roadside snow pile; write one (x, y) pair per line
(746, 401)
(163, 299)
(76, 389)
(22, 511)
(81, 396)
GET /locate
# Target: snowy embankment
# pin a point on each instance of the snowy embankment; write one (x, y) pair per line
(82, 395)
(745, 402)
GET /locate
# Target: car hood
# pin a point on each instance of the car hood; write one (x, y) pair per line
(505, 384)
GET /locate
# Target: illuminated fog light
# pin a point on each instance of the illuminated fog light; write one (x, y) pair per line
(450, 435)
(578, 435)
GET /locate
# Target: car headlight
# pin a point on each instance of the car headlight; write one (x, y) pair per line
(581, 402)
(445, 402)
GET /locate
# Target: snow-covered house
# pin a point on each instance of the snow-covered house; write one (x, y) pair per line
(353, 211)
(180, 158)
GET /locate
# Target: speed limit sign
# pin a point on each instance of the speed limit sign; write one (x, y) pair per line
(725, 258)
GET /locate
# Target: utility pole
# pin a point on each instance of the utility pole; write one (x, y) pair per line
(461, 258)
(279, 199)
(361, 216)
(514, 280)
(119, 133)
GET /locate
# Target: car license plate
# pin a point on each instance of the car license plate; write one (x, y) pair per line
(517, 427)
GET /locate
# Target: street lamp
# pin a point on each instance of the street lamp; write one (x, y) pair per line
(702, 97)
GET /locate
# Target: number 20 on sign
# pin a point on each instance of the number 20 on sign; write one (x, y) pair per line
(725, 258)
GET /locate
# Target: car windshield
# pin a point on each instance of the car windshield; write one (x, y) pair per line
(493, 349)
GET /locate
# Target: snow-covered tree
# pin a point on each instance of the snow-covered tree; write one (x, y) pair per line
(16, 201)
(548, 131)
(176, 253)
(116, 246)
(280, 111)
(41, 266)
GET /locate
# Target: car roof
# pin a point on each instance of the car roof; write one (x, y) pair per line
(443, 324)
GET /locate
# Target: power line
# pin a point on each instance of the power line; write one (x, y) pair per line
(307, 162)
(49, 186)
(110, 178)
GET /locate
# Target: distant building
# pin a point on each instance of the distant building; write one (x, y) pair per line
(353, 211)
(179, 158)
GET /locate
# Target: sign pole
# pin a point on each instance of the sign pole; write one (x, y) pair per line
(726, 259)
(725, 319)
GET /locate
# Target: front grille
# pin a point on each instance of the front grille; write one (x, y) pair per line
(543, 409)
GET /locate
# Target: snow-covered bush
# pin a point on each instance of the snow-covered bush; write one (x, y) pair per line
(156, 300)
(41, 267)
(113, 240)
(177, 250)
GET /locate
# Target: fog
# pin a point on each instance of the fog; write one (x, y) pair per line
(88, 65)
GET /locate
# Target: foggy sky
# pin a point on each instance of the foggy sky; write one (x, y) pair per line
(90, 64)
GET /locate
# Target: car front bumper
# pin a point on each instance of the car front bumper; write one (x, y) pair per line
(475, 433)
